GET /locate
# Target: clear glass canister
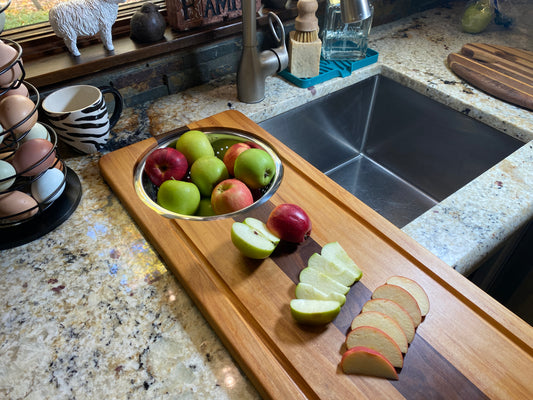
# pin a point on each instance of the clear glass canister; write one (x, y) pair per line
(341, 41)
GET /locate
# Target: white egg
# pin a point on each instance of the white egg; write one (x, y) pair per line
(47, 184)
(37, 132)
(7, 175)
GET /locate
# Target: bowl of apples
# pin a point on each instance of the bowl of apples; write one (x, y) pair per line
(205, 175)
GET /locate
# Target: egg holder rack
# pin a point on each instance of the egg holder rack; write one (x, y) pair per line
(27, 225)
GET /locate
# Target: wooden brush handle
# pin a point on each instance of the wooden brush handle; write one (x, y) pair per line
(306, 21)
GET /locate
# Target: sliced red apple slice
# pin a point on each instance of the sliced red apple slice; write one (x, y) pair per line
(395, 311)
(415, 289)
(365, 361)
(375, 339)
(385, 323)
(402, 297)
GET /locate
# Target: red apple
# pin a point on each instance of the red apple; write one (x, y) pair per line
(231, 155)
(164, 164)
(230, 195)
(289, 222)
(253, 145)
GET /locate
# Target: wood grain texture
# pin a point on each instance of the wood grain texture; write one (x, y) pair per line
(467, 344)
(501, 71)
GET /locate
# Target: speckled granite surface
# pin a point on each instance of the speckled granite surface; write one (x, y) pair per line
(89, 310)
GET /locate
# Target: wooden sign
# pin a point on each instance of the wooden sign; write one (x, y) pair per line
(186, 14)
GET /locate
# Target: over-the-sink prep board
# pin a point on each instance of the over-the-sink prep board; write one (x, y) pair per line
(501, 71)
(468, 346)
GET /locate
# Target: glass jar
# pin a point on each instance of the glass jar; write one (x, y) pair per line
(344, 41)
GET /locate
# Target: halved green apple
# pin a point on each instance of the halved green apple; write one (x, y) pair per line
(252, 241)
(307, 291)
(261, 227)
(314, 312)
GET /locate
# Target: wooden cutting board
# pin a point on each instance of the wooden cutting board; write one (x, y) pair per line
(468, 346)
(504, 72)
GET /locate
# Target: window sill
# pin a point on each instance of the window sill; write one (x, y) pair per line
(55, 64)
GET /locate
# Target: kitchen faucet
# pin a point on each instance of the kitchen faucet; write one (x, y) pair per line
(254, 67)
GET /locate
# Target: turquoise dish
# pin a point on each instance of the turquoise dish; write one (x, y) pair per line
(332, 69)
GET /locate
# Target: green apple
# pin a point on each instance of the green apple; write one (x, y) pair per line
(179, 197)
(335, 253)
(206, 172)
(314, 312)
(307, 291)
(205, 209)
(322, 282)
(250, 241)
(335, 271)
(255, 167)
(193, 145)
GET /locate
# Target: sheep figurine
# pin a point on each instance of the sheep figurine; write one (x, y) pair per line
(75, 18)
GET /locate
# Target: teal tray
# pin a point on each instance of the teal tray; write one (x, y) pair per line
(331, 69)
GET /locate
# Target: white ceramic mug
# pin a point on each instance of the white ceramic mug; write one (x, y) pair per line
(80, 117)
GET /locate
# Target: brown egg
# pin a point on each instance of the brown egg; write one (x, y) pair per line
(7, 56)
(13, 109)
(16, 202)
(32, 152)
(22, 90)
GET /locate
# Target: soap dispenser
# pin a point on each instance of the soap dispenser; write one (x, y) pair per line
(346, 29)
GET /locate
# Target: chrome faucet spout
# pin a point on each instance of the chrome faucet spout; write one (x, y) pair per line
(254, 67)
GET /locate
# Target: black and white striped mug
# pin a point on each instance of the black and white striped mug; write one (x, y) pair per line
(80, 117)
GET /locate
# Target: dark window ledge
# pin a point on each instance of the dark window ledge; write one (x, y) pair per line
(48, 62)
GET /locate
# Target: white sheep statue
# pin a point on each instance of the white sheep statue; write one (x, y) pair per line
(72, 19)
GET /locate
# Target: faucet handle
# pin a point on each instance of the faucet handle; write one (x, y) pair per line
(281, 50)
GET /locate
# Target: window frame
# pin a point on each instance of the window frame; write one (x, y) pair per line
(47, 61)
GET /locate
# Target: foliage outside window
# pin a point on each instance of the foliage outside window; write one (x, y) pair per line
(28, 12)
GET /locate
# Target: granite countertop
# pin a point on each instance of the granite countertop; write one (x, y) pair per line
(90, 311)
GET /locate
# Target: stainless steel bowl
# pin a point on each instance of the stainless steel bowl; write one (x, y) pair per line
(147, 191)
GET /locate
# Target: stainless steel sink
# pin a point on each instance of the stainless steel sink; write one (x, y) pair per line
(398, 151)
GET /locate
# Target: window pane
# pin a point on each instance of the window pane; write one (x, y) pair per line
(27, 12)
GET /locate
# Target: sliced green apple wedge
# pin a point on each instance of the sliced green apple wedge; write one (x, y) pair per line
(335, 271)
(314, 312)
(250, 241)
(309, 292)
(335, 253)
(322, 282)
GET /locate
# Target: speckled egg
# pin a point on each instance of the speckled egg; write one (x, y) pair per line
(39, 153)
(14, 109)
(17, 205)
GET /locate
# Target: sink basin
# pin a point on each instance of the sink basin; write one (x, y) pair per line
(398, 151)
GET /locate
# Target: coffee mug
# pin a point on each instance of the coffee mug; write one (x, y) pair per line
(80, 117)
